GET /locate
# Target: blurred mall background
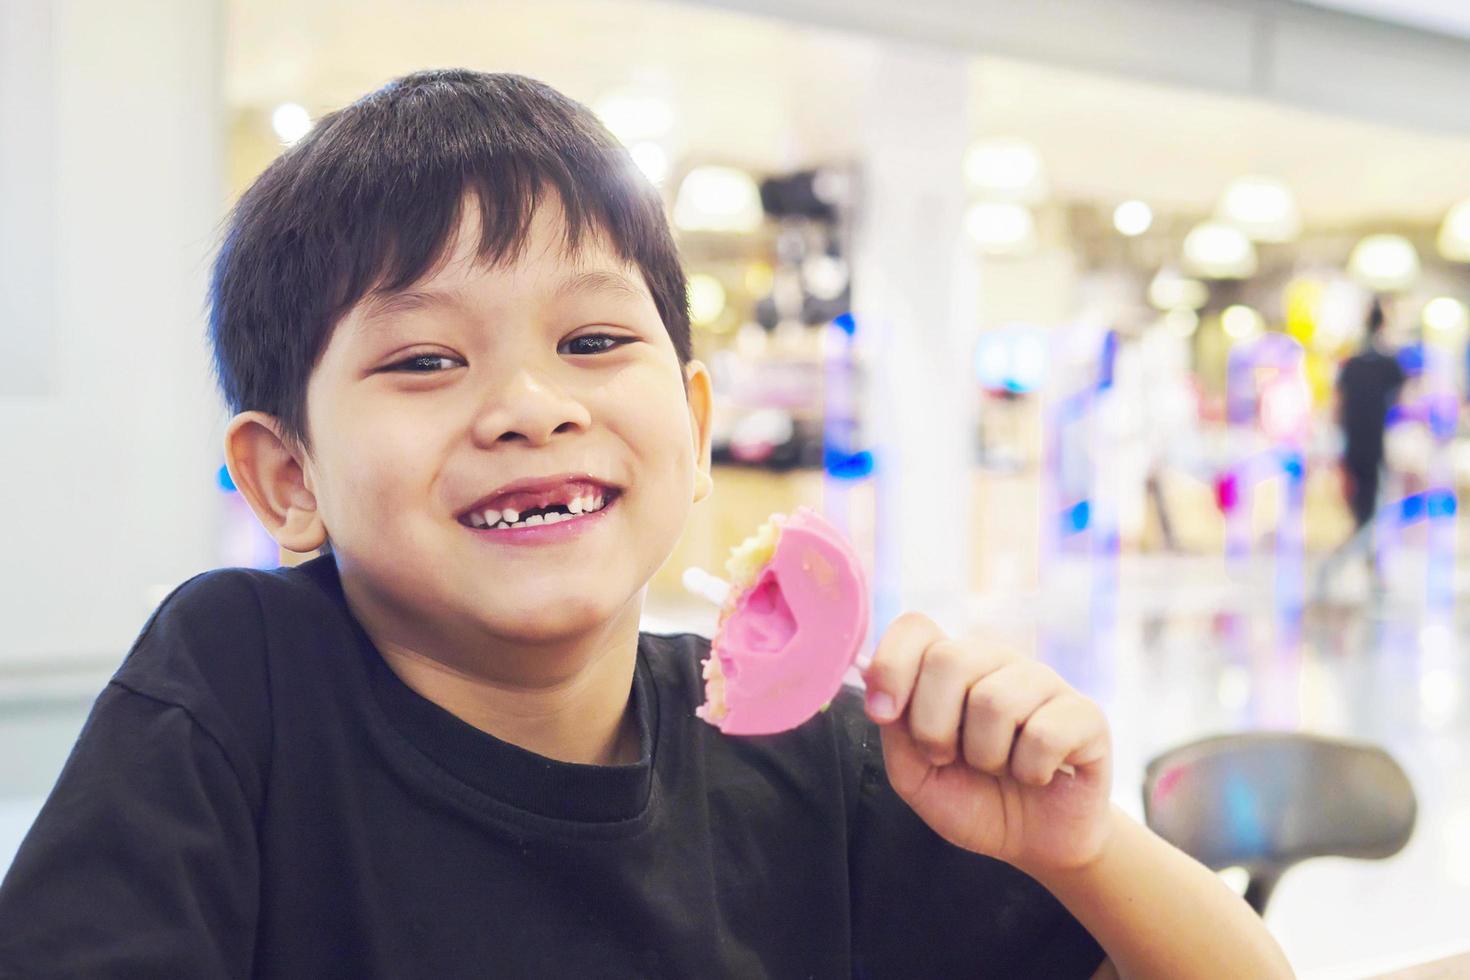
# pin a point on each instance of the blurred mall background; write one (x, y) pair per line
(1045, 303)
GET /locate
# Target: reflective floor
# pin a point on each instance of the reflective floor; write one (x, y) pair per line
(1194, 651)
(1175, 650)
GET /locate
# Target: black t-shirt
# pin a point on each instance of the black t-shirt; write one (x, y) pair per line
(1367, 386)
(257, 794)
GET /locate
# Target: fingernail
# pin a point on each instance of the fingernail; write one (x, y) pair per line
(880, 705)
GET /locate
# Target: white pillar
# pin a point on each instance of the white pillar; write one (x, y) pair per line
(915, 291)
(111, 158)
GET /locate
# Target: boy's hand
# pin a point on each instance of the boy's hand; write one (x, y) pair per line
(973, 739)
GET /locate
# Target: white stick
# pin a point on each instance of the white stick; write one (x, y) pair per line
(706, 586)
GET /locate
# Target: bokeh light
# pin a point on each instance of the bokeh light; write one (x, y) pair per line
(290, 121)
(1133, 218)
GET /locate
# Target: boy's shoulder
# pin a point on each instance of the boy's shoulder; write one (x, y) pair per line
(233, 611)
(209, 646)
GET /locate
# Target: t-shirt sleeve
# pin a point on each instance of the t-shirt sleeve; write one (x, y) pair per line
(922, 907)
(143, 860)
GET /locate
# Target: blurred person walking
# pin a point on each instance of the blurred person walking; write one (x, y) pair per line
(1367, 387)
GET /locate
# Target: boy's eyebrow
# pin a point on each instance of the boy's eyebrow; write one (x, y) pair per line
(598, 281)
(383, 306)
(594, 281)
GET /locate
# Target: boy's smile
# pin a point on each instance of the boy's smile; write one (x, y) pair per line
(503, 455)
(542, 504)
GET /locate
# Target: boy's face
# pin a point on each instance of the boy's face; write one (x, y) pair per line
(429, 409)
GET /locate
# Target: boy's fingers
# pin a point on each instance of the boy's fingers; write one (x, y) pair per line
(890, 675)
(998, 705)
(906, 765)
(937, 705)
(1068, 728)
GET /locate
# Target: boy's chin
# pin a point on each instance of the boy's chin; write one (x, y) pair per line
(559, 620)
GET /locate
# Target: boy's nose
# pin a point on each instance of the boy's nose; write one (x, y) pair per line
(530, 408)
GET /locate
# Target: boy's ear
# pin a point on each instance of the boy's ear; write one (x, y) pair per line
(273, 481)
(701, 408)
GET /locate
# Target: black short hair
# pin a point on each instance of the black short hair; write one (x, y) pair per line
(1375, 316)
(369, 202)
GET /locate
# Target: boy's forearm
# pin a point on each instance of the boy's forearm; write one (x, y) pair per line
(1159, 913)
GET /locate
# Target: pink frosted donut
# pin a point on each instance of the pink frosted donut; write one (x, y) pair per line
(789, 631)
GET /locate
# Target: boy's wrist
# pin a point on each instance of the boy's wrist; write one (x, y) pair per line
(1158, 912)
(1105, 857)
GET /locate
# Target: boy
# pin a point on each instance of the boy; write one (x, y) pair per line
(451, 323)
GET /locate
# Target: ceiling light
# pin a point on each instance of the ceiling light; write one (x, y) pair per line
(1171, 291)
(1000, 228)
(825, 276)
(1454, 234)
(718, 199)
(650, 158)
(1006, 169)
(291, 122)
(1133, 218)
(633, 116)
(1241, 323)
(759, 277)
(833, 187)
(1384, 262)
(1219, 251)
(706, 299)
(1262, 207)
(1445, 315)
(1181, 322)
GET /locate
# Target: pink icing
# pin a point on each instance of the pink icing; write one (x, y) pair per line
(791, 636)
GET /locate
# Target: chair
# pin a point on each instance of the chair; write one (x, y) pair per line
(1264, 801)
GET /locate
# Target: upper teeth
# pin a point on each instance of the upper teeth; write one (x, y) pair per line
(585, 504)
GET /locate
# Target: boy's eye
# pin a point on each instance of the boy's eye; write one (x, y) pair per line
(594, 343)
(424, 364)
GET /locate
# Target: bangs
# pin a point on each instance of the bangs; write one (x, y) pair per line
(398, 219)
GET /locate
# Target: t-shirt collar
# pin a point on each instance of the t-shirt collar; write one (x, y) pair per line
(504, 771)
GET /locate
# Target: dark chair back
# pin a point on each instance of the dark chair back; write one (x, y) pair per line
(1265, 800)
